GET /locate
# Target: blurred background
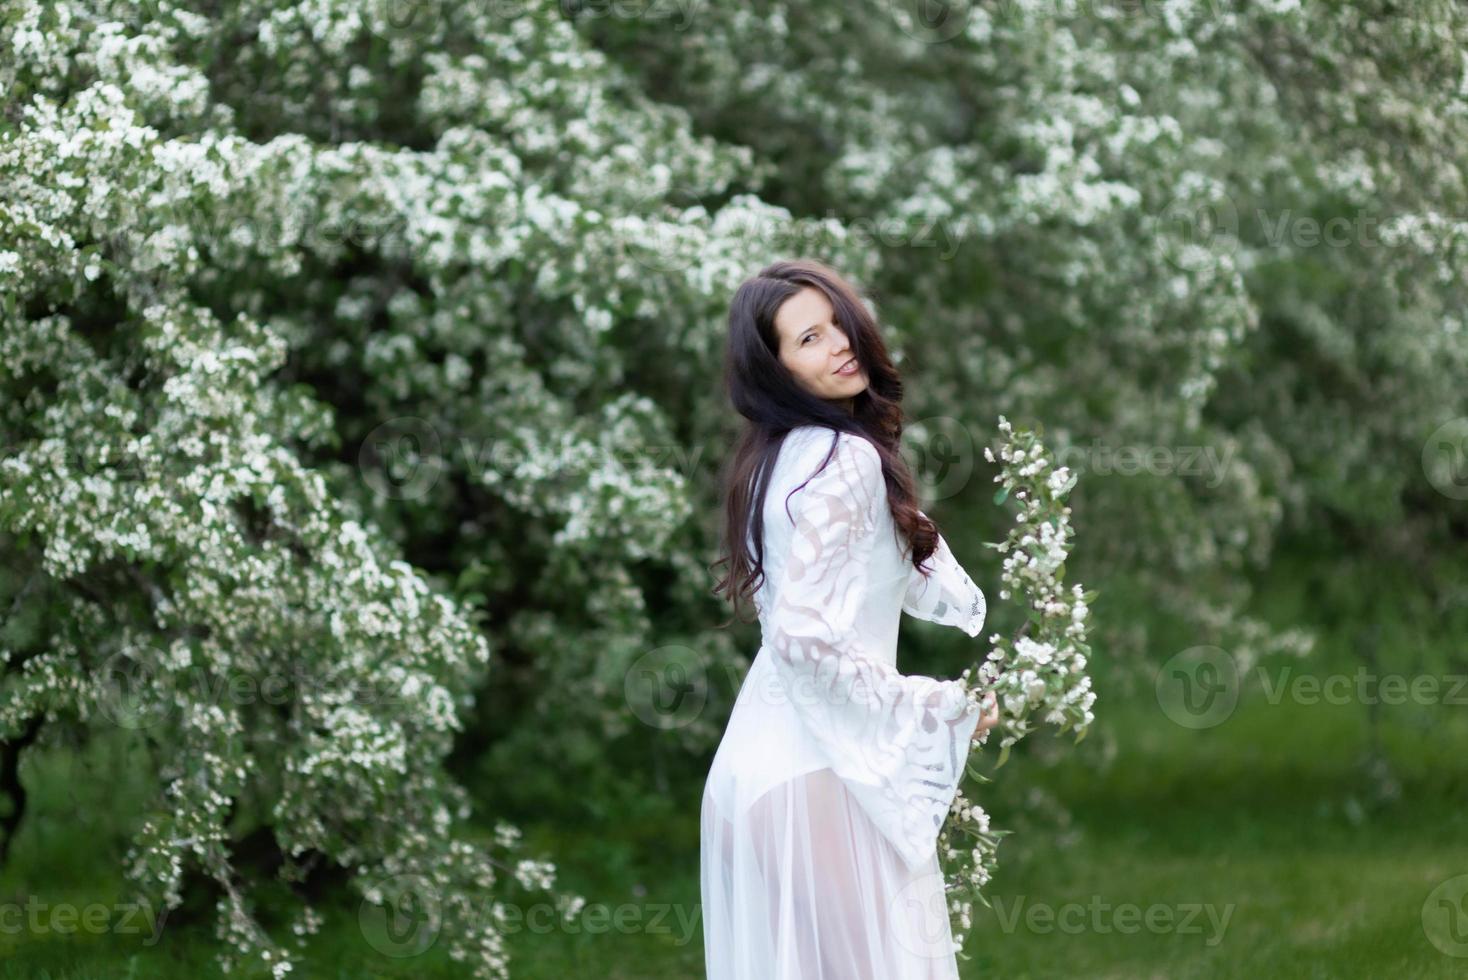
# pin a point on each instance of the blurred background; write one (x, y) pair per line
(359, 386)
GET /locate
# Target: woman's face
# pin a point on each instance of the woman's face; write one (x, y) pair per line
(814, 349)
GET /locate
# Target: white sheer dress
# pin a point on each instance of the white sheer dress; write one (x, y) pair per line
(821, 810)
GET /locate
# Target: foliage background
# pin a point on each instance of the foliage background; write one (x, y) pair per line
(376, 345)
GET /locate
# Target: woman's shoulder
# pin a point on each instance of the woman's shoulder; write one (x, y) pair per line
(853, 443)
(854, 455)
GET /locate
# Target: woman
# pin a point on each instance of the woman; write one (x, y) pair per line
(822, 807)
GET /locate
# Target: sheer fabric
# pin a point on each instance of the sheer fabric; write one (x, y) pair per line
(822, 807)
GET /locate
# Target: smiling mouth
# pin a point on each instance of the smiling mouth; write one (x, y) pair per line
(849, 364)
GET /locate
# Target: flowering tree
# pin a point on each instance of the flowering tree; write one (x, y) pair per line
(1216, 245)
(1038, 672)
(370, 346)
(233, 289)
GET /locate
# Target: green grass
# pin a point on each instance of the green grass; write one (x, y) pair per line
(1264, 817)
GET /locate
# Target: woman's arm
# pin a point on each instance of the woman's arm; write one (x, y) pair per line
(946, 595)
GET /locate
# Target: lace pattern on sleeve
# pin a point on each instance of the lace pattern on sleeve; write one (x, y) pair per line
(898, 742)
(946, 594)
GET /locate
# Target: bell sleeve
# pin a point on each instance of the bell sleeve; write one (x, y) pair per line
(946, 595)
(898, 742)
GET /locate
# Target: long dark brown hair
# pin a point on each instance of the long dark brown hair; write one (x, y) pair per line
(772, 402)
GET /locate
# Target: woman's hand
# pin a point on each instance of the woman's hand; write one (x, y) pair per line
(990, 717)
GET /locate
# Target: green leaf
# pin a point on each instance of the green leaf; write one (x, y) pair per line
(1000, 494)
(976, 775)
